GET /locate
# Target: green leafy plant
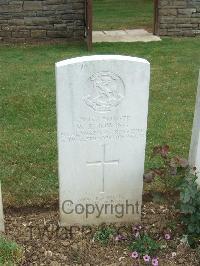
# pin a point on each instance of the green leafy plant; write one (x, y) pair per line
(144, 244)
(10, 252)
(170, 172)
(104, 234)
(176, 175)
(190, 208)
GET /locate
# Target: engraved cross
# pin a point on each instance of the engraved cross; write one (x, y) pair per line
(103, 163)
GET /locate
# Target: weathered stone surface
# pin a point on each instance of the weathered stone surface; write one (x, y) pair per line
(187, 25)
(16, 21)
(4, 2)
(3, 21)
(179, 17)
(165, 12)
(16, 40)
(5, 34)
(182, 20)
(193, 3)
(21, 34)
(163, 3)
(67, 8)
(188, 33)
(36, 21)
(167, 26)
(102, 123)
(32, 5)
(60, 26)
(187, 11)
(54, 2)
(196, 32)
(12, 8)
(38, 33)
(42, 19)
(58, 34)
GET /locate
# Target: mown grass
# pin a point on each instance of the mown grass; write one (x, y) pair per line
(28, 148)
(122, 14)
(10, 252)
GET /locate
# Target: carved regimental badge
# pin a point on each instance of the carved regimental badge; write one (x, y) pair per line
(105, 91)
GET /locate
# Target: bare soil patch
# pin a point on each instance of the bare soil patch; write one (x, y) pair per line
(46, 243)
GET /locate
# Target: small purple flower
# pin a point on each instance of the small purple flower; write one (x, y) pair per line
(117, 238)
(134, 255)
(120, 237)
(137, 234)
(137, 228)
(173, 254)
(146, 258)
(155, 261)
(167, 236)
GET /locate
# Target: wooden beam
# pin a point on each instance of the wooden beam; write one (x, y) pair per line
(155, 26)
(89, 14)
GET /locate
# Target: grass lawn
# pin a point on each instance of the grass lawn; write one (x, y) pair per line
(10, 252)
(122, 14)
(28, 146)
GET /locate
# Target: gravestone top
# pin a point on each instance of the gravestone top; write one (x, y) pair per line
(102, 108)
(100, 58)
(194, 156)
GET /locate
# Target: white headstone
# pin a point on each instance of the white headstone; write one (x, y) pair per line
(102, 108)
(194, 156)
(2, 228)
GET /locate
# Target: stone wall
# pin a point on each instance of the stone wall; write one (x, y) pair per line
(22, 21)
(178, 18)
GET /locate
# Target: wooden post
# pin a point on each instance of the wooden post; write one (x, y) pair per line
(155, 26)
(89, 24)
